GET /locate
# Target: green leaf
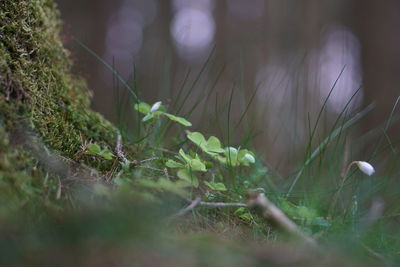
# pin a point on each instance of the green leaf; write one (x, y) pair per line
(173, 164)
(185, 157)
(105, 153)
(148, 117)
(188, 176)
(215, 186)
(214, 145)
(94, 148)
(197, 165)
(246, 217)
(197, 138)
(177, 119)
(143, 107)
(220, 187)
(239, 211)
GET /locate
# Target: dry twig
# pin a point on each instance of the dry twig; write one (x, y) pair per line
(118, 149)
(221, 204)
(272, 213)
(197, 202)
(140, 162)
(191, 206)
(122, 157)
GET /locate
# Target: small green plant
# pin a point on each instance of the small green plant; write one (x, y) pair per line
(203, 164)
(187, 165)
(94, 149)
(157, 110)
(243, 214)
(229, 155)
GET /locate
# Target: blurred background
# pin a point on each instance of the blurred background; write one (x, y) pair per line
(278, 60)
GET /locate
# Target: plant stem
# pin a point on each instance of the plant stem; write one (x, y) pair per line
(344, 179)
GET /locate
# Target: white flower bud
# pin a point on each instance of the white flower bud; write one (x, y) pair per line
(365, 167)
(155, 106)
(250, 158)
(232, 150)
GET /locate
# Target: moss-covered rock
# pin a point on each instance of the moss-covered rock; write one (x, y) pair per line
(37, 85)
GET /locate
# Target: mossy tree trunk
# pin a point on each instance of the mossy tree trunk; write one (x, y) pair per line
(40, 94)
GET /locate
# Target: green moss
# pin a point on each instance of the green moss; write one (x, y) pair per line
(37, 84)
(24, 185)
